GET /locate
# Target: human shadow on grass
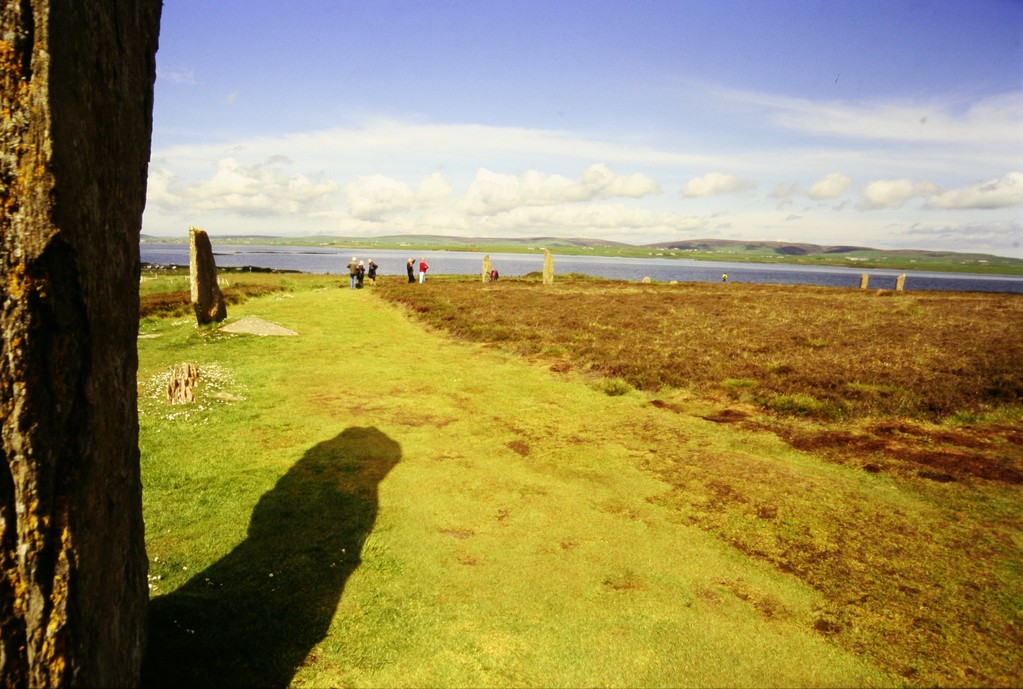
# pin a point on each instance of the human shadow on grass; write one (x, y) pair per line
(250, 619)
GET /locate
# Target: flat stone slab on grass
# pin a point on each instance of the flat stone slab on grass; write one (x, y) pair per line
(250, 325)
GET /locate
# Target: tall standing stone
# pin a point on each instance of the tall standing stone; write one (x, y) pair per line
(900, 282)
(77, 98)
(207, 299)
(487, 267)
(548, 267)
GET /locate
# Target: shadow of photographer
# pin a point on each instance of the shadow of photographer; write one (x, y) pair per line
(251, 618)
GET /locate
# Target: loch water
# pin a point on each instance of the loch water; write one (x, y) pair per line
(333, 260)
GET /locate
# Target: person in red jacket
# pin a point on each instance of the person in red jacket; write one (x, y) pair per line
(422, 270)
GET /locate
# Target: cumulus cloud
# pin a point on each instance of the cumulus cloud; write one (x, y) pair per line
(492, 192)
(375, 196)
(715, 183)
(433, 190)
(260, 189)
(1004, 192)
(830, 186)
(894, 193)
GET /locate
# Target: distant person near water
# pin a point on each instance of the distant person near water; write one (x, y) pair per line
(353, 272)
(724, 277)
(371, 272)
(410, 268)
(360, 275)
(493, 275)
(422, 270)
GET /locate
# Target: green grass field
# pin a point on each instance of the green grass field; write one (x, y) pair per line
(378, 502)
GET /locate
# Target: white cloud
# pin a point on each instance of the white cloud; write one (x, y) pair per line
(433, 190)
(260, 189)
(894, 193)
(1004, 192)
(590, 219)
(492, 192)
(830, 186)
(375, 196)
(177, 75)
(994, 120)
(600, 182)
(715, 183)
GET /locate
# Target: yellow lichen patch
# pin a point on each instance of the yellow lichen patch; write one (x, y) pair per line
(53, 646)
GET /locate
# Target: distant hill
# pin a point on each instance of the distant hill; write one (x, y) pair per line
(697, 249)
(784, 248)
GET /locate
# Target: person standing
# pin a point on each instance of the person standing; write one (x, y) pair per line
(371, 271)
(410, 268)
(353, 272)
(360, 274)
(422, 270)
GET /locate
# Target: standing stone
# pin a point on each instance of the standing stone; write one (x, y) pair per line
(487, 266)
(548, 267)
(207, 299)
(864, 281)
(77, 98)
(900, 283)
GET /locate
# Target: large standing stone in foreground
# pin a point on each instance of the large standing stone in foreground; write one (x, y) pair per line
(76, 84)
(487, 267)
(548, 267)
(207, 299)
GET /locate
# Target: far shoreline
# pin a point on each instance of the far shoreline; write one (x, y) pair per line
(709, 250)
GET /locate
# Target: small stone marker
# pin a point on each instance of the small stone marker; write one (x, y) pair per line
(485, 274)
(647, 280)
(548, 267)
(207, 299)
(181, 386)
(864, 281)
(900, 283)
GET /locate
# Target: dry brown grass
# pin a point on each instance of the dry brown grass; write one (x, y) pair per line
(824, 353)
(179, 303)
(854, 376)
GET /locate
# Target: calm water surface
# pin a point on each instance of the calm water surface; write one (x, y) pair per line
(311, 259)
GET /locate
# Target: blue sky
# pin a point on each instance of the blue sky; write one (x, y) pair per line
(892, 124)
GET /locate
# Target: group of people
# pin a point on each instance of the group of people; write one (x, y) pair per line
(359, 272)
(410, 268)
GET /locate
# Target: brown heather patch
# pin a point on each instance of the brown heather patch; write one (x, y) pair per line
(812, 351)
(177, 304)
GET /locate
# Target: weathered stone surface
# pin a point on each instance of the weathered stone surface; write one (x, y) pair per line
(77, 93)
(182, 382)
(207, 299)
(251, 325)
(487, 266)
(548, 267)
